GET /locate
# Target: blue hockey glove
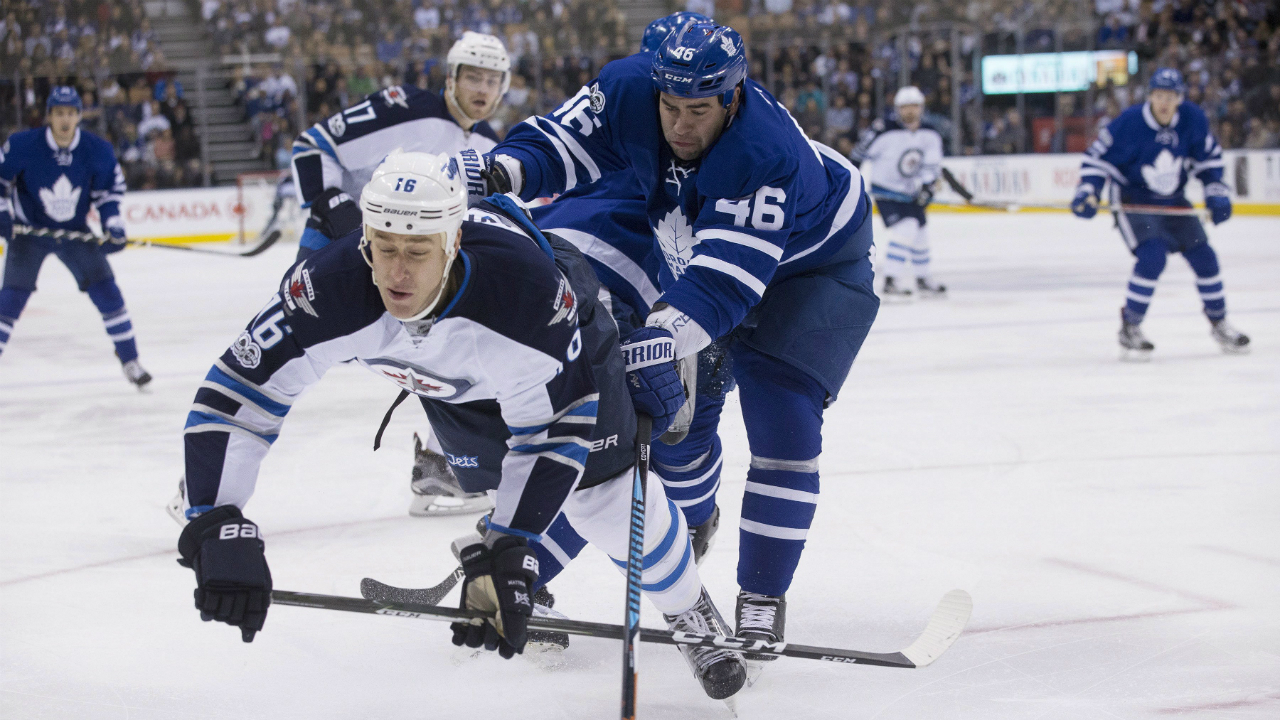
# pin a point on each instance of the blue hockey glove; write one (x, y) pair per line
(652, 376)
(1085, 203)
(115, 240)
(1218, 199)
(499, 581)
(233, 582)
(487, 174)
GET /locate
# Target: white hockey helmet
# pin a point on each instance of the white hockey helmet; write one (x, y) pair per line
(909, 95)
(482, 51)
(416, 193)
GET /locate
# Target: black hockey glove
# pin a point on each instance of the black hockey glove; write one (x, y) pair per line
(924, 195)
(653, 376)
(233, 583)
(499, 581)
(333, 214)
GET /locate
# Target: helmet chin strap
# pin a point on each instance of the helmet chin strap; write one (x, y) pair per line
(367, 253)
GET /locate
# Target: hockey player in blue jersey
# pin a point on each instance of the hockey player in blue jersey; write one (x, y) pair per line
(495, 327)
(764, 242)
(1148, 153)
(49, 179)
(907, 155)
(333, 159)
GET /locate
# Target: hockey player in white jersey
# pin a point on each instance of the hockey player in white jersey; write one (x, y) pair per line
(497, 329)
(50, 178)
(1147, 155)
(906, 156)
(334, 159)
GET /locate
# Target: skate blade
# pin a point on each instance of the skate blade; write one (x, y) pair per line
(898, 299)
(754, 669)
(933, 295)
(441, 505)
(1135, 356)
(1235, 350)
(732, 704)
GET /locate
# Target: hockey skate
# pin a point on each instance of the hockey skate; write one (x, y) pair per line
(134, 373)
(1232, 341)
(703, 537)
(929, 289)
(721, 672)
(893, 292)
(1134, 346)
(761, 617)
(435, 488)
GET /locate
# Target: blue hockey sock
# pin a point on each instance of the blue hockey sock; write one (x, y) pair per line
(690, 470)
(11, 303)
(115, 316)
(1204, 261)
(559, 545)
(782, 407)
(1152, 256)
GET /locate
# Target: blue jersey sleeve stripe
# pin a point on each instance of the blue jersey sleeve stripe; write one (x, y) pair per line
(532, 537)
(588, 405)
(322, 142)
(195, 418)
(571, 451)
(216, 375)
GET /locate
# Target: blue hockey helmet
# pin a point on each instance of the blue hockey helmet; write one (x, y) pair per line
(700, 59)
(64, 95)
(659, 29)
(1167, 79)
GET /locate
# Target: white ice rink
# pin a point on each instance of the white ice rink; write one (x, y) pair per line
(1118, 525)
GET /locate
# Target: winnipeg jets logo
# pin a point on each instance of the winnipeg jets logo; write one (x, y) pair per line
(909, 163)
(395, 95)
(678, 174)
(1164, 174)
(418, 380)
(61, 200)
(676, 239)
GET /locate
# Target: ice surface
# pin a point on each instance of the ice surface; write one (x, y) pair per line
(1118, 525)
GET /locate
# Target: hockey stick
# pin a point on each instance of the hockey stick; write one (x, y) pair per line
(1016, 206)
(56, 234)
(371, 589)
(944, 626)
(635, 566)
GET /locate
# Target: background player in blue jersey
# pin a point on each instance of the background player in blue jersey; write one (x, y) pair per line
(49, 179)
(764, 240)
(500, 336)
(906, 157)
(1148, 153)
(333, 159)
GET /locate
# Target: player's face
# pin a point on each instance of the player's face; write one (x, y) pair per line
(691, 125)
(909, 114)
(408, 269)
(478, 91)
(1164, 103)
(63, 120)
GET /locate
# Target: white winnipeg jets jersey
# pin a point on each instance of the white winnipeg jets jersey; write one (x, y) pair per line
(344, 150)
(902, 160)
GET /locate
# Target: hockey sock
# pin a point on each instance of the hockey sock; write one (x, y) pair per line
(1152, 256)
(1204, 261)
(690, 470)
(670, 576)
(560, 544)
(115, 316)
(902, 240)
(12, 301)
(920, 254)
(782, 407)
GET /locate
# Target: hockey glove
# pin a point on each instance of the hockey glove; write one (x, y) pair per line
(1218, 199)
(499, 581)
(924, 195)
(6, 221)
(333, 214)
(233, 583)
(115, 240)
(1085, 203)
(652, 376)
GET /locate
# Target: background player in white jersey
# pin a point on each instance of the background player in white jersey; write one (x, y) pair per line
(49, 179)
(334, 159)
(500, 335)
(1148, 154)
(906, 156)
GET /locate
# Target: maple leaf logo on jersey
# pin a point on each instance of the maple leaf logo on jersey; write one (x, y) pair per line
(1164, 174)
(61, 200)
(676, 239)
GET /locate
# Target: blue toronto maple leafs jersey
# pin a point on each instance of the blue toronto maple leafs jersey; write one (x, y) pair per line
(1148, 164)
(762, 204)
(344, 150)
(52, 187)
(520, 375)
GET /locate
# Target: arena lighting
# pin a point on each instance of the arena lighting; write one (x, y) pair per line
(1055, 72)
